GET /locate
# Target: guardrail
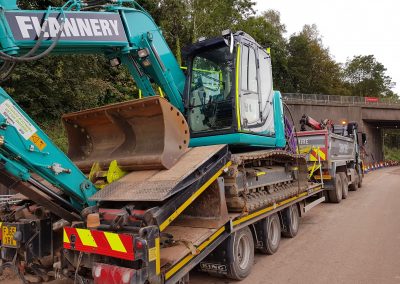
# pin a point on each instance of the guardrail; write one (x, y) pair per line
(297, 97)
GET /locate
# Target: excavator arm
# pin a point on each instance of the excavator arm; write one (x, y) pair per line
(125, 35)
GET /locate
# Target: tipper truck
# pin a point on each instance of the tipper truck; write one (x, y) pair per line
(333, 155)
(151, 188)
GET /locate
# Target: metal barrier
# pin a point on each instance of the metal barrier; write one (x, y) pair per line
(297, 97)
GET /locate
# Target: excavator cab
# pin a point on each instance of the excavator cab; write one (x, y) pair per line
(229, 93)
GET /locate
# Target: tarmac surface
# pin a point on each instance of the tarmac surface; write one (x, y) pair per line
(356, 241)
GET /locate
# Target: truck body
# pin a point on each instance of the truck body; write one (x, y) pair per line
(333, 158)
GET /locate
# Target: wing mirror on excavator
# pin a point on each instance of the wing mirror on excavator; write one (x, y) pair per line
(225, 33)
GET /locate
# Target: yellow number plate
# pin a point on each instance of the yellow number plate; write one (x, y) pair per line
(8, 236)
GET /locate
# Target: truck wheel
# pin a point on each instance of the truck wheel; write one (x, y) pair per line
(290, 220)
(335, 195)
(272, 234)
(360, 180)
(345, 185)
(243, 255)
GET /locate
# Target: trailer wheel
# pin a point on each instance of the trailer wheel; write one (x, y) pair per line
(272, 234)
(184, 280)
(243, 255)
(345, 185)
(335, 195)
(290, 220)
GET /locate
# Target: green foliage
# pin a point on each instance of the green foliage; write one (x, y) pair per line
(392, 153)
(311, 67)
(301, 63)
(56, 132)
(67, 83)
(367, 77)
(210, 17)
(391, 144)
(268, 31)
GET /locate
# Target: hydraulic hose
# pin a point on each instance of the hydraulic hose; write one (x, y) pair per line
(6, 57)
(27, 57)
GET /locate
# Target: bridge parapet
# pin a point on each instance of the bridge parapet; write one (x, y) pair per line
(340, 100)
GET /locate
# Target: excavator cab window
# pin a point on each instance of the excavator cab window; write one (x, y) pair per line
(256, 90)
(210, 97)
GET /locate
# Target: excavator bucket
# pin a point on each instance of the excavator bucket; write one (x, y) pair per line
(140, 134)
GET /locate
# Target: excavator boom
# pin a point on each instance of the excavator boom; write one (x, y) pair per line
(146, 134)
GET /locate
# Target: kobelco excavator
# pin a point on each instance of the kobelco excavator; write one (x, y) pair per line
(152, 187)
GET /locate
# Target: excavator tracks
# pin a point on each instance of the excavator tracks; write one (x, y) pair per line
(262, 178)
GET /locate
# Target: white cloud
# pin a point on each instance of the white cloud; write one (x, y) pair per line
(348, 27)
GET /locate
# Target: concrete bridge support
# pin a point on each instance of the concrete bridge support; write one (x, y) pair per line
(374, 146)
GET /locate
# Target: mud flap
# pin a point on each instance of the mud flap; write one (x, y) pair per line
(140, 134)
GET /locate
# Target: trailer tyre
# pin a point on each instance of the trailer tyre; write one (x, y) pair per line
(345, 185)
(336, 194)
(272, 236)
(243, 258)
(290, 221)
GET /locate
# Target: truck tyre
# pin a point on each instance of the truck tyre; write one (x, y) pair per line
(355, 186)
(272, 236)
(360, 180)
(345, 185)
(336, 194)
(243, 255)
(290, 221)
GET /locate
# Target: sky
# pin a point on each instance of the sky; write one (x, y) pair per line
(348, 27)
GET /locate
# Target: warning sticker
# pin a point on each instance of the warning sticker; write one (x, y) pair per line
(16, 119)
(152, 254)
(38, 141)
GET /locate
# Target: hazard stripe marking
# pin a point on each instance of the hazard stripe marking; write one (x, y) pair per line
(99, 242)
(86, 238)
(115, 242)
(65, 238)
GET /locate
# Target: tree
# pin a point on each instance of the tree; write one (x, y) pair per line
(311, 67)
(268, 31)
(367, 77)
(211, 17)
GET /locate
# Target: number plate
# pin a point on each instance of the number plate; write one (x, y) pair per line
(8, 236)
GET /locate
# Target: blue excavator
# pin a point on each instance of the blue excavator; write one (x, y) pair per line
(206, 144)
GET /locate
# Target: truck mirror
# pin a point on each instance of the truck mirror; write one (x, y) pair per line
(364, 138)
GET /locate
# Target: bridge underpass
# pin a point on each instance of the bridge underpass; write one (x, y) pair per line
(373, 118)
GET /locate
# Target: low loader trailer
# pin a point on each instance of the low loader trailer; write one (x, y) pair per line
(185, 221)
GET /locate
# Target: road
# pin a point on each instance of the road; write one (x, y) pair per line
(356, 241)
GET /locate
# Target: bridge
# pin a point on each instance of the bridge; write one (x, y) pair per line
(373, 117)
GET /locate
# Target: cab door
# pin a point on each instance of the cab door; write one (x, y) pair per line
(249, 98)
(256, 109)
